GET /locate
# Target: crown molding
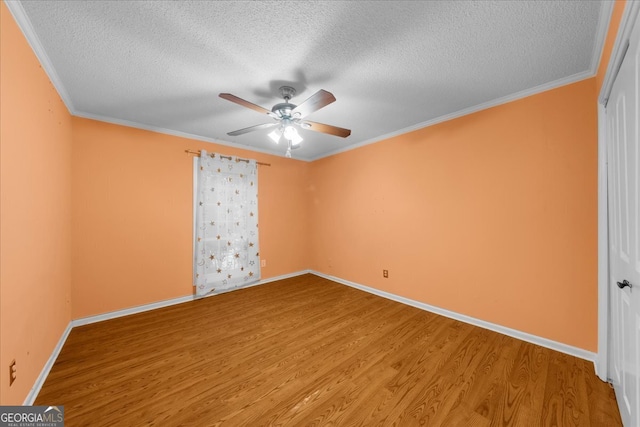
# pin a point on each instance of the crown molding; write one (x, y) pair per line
(466, 111)
(186, 135)
(631, 10)
(19, 14)
(606, 10)
(24, 23)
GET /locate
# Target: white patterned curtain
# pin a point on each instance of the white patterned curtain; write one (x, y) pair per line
(227, 253)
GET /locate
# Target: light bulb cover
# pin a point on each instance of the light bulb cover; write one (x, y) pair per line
(291, 134)
(289, 131)
(275, 135)
(296, 140)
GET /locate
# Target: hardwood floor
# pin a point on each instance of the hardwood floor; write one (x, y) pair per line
(309, 352)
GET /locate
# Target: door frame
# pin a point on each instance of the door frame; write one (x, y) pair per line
(601, 363)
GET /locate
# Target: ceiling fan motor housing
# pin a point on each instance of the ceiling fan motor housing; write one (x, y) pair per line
(283, 109)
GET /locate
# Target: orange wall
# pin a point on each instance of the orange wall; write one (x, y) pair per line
(35, 213)
(132, 215)
(612, 32)
(492, 215)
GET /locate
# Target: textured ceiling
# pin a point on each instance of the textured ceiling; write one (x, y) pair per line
(393, 66)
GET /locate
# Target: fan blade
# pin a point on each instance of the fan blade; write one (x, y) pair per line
(320, 99)
(331, 130)
(252, 128)
(244, 103)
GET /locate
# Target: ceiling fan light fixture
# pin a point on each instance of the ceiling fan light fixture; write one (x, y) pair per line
(289, 117)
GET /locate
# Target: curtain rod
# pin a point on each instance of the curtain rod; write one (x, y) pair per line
(238, 159)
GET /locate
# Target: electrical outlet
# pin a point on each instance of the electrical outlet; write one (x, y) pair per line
(385, 274)
(12, 372)
(263, 263)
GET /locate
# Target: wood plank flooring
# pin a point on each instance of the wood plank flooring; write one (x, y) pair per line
(309, 352)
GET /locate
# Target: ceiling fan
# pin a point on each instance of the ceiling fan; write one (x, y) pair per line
(288, 117)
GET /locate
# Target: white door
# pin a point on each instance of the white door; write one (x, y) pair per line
(623, 111)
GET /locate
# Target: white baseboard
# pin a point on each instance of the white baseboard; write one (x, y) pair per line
(284, 276)
(31, 397)
(166, 303)
(132, 310)
(524, 336)
(33, 393)
(544, 342)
